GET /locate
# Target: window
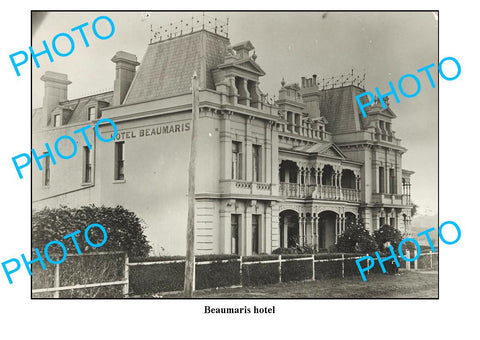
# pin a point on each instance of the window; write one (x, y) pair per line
(392, 222)
(392, 181)
(119, 161)
(92, 113)
(235, 234)
(381, 180)
(257, 162)
(46, 170)
(388, 126)
(255, 233)
(382, 222)
(57, 120)
(236, 160)
(87, 165)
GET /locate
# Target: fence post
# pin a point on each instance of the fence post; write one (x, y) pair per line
(279, 268)
(431, 259)
(56, 283)
(407, 264)
(415, 263)
(368, 265)
(313, 267)
(343, 265)
(126, 277)
(241, 272)
(194, 271)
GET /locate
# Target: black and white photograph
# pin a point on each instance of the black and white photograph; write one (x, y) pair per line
(296, 186)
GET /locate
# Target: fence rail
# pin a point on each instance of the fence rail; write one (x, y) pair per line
(278, 269)
(57, 288)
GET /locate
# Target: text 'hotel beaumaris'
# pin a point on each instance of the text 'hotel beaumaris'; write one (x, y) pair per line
(269, 173)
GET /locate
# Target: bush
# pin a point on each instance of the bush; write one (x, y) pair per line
(387, 234)
(296, 270)
(327, 270)
(356, 239)
(80, 270)
(259, 273)
(217, 274)
(306, 249)
(156, 278)
(125, 231)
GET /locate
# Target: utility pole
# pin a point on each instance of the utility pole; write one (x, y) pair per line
(189, 283)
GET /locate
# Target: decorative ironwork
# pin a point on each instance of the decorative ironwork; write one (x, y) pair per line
(194, 24)
(344, 80)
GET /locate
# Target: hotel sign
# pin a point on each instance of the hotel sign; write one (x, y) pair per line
(152, 131)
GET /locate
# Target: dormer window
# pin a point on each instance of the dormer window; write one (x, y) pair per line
(92, 113)
(57, 120)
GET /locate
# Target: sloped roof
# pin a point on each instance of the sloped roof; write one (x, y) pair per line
(37, 118)
(167, 67)
(78, 108)
(340, 108)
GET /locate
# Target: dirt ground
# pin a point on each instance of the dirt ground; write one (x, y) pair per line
(406, 284)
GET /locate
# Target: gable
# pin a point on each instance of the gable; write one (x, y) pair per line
(247, 65)
(252, 67)
(330, 150)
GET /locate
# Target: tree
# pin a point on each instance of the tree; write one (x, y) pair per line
(414, 209)
(356, 239)
(387, 234)
(125, 230)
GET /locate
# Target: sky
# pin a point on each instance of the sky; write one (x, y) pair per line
(384, 45)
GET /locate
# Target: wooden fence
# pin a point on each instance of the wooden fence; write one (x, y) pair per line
(314, 268)
(244, 264)
(57, 270)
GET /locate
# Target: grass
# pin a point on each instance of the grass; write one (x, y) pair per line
(408, 284)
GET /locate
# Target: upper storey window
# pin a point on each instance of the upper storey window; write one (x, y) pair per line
(57, 120)
(92, 113)
(236, 160)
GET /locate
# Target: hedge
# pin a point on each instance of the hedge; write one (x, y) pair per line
(326, 270)
(156, 278)
(79, 270)
(350, 268)
(217, 274)
(259, 274)
(296, 270)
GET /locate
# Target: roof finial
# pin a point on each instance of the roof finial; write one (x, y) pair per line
(283, 82)
(254, 56)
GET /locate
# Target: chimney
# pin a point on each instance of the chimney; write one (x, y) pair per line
(125, 64)
(243, 49)
(303, 81)
(314, 80)
(55, 92)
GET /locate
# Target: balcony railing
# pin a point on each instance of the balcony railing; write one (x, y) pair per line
(395, 199)
(327, 192)
(246, 187)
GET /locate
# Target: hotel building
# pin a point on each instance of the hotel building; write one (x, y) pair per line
(270, 173)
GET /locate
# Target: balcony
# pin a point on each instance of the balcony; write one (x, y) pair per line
(326, 192)
(391, 199)
(245, 187)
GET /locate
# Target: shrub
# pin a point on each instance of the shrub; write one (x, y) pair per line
(156, 278)
(356, 239)
(387, 234)
(217, 274)
(259, 274)
(125, 231)
(296, 270)
(327, 270)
